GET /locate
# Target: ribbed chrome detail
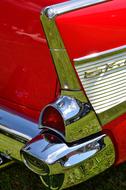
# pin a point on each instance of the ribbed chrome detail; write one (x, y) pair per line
(105, 88)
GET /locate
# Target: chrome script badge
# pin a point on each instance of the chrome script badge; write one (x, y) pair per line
(105, 68)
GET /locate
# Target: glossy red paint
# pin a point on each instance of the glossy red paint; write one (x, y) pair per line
(94, 29)
(117, 130)
(28, 79)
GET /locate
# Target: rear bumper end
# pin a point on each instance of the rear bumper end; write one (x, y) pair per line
(69, 164)
(59, 164)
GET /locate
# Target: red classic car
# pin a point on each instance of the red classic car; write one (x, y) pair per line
(63, 87)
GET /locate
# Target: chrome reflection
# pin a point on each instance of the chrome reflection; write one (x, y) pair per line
(17, 126)
(15, 131)
(70, 109)
(53, 159)
(41, 156)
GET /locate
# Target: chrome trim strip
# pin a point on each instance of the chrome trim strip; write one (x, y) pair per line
(15, 133)
(66, 73)
(68, 6)
(100, 55)
(17, 127)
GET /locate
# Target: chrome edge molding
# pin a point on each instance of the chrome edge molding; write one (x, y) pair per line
(11, 123)
(103, 54)
(64, 68)
(68, 6)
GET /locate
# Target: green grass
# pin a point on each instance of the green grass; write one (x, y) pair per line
(17, 177)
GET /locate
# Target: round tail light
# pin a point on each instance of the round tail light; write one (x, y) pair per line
(53, 119)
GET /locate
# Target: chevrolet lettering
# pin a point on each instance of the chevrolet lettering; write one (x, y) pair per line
(105, 68)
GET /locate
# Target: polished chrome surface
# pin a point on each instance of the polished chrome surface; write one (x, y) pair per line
(63, 66)
(77, 116)
(71, 5)
(17, 126)
(52, 159)
(103, 76)
(15, 131)
(56, 159)
(102, 54)
(51, 153)
(69, 108)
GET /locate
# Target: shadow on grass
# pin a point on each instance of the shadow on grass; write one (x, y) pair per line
(17, 177)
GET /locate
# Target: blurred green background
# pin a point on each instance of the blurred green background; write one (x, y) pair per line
(17, 177)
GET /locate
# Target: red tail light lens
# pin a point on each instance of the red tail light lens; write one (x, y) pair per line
(53, 119)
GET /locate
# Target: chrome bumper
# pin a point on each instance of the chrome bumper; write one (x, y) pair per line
(69, 163)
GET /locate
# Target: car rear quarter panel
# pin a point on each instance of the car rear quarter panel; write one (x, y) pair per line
(28, 78)
(95, 29)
